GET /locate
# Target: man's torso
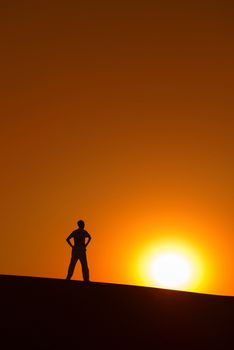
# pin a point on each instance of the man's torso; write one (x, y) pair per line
(79, 238)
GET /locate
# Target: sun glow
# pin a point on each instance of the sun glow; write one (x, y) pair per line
(171, 266)
(171, 270)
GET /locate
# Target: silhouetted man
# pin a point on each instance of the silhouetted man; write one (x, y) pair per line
(79, 250)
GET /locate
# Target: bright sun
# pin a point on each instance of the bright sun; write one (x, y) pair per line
(171, 270)
(171, 265)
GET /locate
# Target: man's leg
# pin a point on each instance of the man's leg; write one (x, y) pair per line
(72, 265)
(84, 265)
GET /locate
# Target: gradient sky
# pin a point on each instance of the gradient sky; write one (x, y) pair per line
(120, 113)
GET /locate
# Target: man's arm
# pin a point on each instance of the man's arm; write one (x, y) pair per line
(89, 239)
(69, 240)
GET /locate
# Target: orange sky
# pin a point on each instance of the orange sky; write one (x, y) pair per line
(120, 113)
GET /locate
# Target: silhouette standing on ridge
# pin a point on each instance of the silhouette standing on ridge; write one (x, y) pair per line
(79, 250)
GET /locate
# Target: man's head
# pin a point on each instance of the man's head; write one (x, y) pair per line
(81, 224)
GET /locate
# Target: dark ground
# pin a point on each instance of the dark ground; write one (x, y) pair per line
(58, 314)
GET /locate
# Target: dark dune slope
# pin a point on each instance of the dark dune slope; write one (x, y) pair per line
(42, 312)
